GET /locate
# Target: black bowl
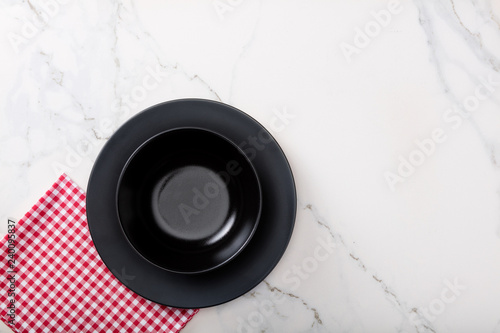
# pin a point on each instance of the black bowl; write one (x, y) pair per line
(188, 200)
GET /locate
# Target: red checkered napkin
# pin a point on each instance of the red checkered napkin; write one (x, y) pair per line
(61, 284)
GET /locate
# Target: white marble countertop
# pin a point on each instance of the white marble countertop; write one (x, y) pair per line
(389, 114)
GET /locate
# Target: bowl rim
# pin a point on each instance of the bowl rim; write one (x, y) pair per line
(252, 168)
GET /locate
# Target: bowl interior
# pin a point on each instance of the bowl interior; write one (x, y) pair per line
(188, 200)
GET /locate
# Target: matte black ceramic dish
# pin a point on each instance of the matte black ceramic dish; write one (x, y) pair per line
(188, 200)
(237, 276)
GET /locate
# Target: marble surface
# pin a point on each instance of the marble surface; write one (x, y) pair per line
(389, 113)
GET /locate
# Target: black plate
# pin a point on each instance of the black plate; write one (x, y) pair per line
(237, 276)
(189, 200)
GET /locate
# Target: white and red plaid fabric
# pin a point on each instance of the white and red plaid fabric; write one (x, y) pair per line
(61, 284)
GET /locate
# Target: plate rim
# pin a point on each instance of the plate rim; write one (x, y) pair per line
(108, 255)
